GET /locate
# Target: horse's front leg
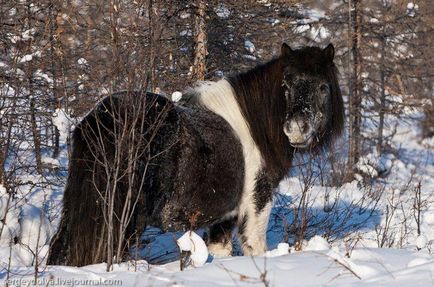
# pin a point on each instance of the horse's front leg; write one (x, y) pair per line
(254, 215)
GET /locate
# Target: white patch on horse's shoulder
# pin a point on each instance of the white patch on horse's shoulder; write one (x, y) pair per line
(220, 98)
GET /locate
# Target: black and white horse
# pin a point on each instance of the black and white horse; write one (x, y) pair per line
(213, 159)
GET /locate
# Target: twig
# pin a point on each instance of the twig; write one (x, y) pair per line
(340, 263)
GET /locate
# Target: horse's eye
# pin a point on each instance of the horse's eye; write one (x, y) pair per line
(325, 89)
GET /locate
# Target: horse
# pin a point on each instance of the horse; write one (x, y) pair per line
(212, 160)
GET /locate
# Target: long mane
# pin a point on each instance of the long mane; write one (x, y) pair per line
(264, 112)
(336, 123)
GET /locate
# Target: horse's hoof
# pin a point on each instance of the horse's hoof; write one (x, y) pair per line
(220, 250)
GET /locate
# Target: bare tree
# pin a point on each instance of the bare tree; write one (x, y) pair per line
(199, 67)
(355, 86)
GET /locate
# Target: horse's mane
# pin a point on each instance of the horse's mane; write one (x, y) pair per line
(260, 95)
(265, 113)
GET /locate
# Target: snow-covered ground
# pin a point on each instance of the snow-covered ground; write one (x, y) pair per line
(364, 267)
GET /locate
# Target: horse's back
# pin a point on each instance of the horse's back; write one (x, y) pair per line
(144, 112)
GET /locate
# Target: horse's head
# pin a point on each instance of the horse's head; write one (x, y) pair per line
(314, 108)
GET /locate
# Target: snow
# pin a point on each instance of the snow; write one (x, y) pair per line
(25, 36)
(373, 164)
(41, 75)
(249, 57)
(28, 34)
(282, 249)
(63, 123)
(176, 96)
(412, 7)
(307, 16)
(192, 242)
(8, 220)
(222, 11)
(429, 218)
(82, 61)
(301, 28)
(421, 241)
(317, 243)
(35, 228)
(50, 161)
(315, 14)
(184, 15)
(29, 57)
(249, 46)
(273, 21)
(26, 58)
(185, 33)
(3, 201)
(364, 267)
(219, 74)
(12, 11)
(320, 33)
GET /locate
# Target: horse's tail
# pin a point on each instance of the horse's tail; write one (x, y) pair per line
(82, 235)
(80, 219)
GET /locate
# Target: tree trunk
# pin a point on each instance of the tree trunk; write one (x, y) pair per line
(199, 67)
(2, 164)
(153, 9)
(116, 72)
(355, 104)
(382, 107)
(53, 28)
(36, 137)
(2, 153)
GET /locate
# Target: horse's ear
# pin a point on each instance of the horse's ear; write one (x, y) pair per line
(286, 50)
(329, 52)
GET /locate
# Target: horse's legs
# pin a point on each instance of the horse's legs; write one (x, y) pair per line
(220, 238)
(252, 231)
(133, 232)
(254, 215)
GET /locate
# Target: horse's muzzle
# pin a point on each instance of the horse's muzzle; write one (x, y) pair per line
(299, 132)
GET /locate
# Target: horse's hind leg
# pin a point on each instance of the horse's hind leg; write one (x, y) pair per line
(220, 238)
(134, 231)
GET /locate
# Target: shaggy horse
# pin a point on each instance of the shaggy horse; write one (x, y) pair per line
(213, 159)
